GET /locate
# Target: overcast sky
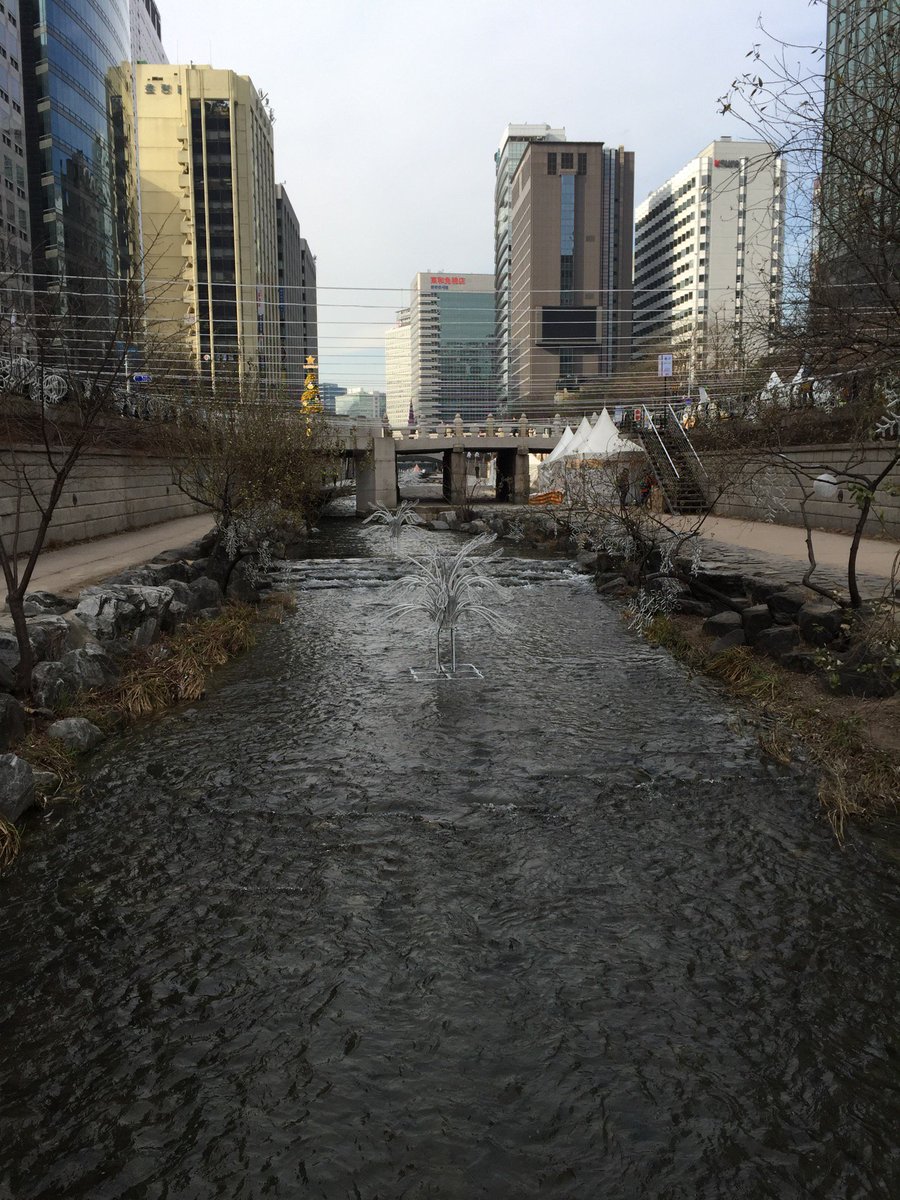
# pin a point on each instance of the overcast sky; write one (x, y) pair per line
(388, 114)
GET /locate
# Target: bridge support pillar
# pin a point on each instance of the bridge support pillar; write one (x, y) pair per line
(513, 481)
(455, 476)
(376, 475)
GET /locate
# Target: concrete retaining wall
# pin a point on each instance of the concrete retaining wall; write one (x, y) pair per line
(108, 492)
(757, 494)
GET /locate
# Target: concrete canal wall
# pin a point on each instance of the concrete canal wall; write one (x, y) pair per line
(776, 493)
(109, 491)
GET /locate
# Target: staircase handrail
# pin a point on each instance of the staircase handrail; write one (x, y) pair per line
(649, 421)
(684, 434)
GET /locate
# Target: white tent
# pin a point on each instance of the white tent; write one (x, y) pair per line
(773, 390)
(605, 441)
(560, 448)
(582, 433)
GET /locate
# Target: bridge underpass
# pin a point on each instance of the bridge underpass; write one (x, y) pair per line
(379, 451)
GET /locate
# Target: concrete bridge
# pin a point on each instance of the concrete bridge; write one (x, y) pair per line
(378, 449)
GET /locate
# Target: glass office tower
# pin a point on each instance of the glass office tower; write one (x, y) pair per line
(79, 135)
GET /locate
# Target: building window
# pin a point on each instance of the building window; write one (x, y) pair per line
(551, 164)
(582, 163)
(568, 161)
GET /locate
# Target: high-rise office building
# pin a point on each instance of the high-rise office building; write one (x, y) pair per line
(570, 268)
(398, 371)
(297, 311)
(451, 346)
(506, 161)
(146, 33)
(209, 217)
(708, 256)
(77, 101)
(15, 223)
(858, 211)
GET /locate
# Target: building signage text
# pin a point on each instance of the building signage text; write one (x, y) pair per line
(726, 162)
(445, 279)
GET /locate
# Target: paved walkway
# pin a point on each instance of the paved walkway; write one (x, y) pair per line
(780, 550)
(67, 570)
(769, 549)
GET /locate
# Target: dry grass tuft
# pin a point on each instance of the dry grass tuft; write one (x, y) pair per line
(10, 843)
(47, 754)
(172, 671)
(857, 779)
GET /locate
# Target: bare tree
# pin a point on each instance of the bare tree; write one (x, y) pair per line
(64, 380)
(259, 463)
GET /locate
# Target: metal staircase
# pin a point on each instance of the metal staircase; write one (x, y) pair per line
(675, 463)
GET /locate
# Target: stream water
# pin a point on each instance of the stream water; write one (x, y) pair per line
(558, 931)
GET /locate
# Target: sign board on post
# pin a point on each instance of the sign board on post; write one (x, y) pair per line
(664, 366)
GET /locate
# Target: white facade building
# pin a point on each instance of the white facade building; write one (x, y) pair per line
(506, 160)
(708, 256)
(398, 371)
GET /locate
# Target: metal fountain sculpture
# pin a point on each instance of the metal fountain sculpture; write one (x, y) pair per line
(448, 588)
(395, 519)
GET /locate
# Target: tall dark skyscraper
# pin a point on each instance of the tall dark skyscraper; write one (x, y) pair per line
(80, 143)
(297, 313)
(571, 266)
(859, 194)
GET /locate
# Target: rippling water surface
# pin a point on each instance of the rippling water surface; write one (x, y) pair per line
(554, 932)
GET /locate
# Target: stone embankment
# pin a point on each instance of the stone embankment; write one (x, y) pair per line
(850, 653)
(84, 643)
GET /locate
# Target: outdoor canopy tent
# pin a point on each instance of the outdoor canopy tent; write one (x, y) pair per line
(559, 448)
(605, 441)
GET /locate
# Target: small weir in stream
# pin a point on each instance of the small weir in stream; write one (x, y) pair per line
(558, 931)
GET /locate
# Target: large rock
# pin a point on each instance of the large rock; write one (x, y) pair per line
(9, 649)
(165, 572)
(180, 608)
(51, 686)
(78, 635)
(759, 589)
(756, 618)
(820, 622)
(242, 584)
(90, 667)
(113, 612)
(864, 680)
(779, 641)
(7, 679)
(16, 786)
(48, 635)
(205, 593)
(77, 733)
(46, 602)
(693, 608)
(724, 582)
(722, 623)
(788, 602)
(804, 661)
(12, 721)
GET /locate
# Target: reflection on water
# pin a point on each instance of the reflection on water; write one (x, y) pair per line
(554, 932)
